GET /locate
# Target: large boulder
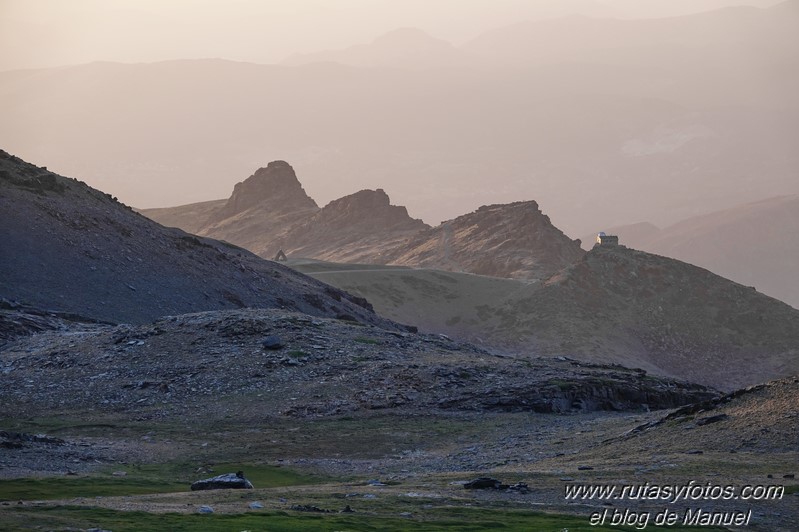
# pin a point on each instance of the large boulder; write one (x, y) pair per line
(228, 481)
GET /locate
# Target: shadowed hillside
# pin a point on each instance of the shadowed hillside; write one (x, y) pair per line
(68, 247)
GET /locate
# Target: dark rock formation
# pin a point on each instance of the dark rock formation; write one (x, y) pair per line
(309, 508)
(272, 342)
(228, 481)
(482, 483)
(488, 483)
(620, 391)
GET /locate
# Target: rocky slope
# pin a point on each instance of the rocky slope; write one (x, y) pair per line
(514, 240)
(67, 247)
(755, 244)
(644, 310)
(770, 408)
(615, 305)
(258, 361)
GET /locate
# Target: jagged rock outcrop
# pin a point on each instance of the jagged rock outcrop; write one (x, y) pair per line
(358, 227)
(67, 247)
(515, 240)
(274, 188)
(260, 211)
(270, 212)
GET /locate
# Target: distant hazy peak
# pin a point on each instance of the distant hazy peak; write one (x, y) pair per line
(364, 197)
(275, 187)
(404, 47)
(372, 208)
(409, 36)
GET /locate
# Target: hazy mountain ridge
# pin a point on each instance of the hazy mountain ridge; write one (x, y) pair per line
(71, 248)
(515, 240)
(402, 48)
(601, 141)
(609, 40)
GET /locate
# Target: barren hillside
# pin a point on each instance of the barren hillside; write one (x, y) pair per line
(68, 247)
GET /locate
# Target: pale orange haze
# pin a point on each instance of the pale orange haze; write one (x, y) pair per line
(603, 111)
(46, 33)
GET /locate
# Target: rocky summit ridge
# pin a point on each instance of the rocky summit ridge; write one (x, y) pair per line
(354, 228)
(270, 211)
(514, 240)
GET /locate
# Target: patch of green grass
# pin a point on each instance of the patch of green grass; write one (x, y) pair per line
(89, 486)
(156, 478)
(268, 476)
(432, 520)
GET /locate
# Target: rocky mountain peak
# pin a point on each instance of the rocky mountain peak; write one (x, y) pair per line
(512, 240)
(353, 228)
(275, 187)
(369, 209)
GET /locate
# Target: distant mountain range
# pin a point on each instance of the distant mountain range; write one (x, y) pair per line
(656, 120)
(754, 244)
(270, 212)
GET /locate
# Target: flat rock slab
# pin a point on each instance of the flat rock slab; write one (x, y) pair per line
(228, 481)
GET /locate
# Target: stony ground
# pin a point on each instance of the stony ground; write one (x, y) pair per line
(352, 403)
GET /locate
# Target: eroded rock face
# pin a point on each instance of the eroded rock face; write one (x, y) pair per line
(355, 228)
(515, 240)
(228, 481)
(274, 188)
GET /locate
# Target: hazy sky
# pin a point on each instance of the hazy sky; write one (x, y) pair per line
(46, 33)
